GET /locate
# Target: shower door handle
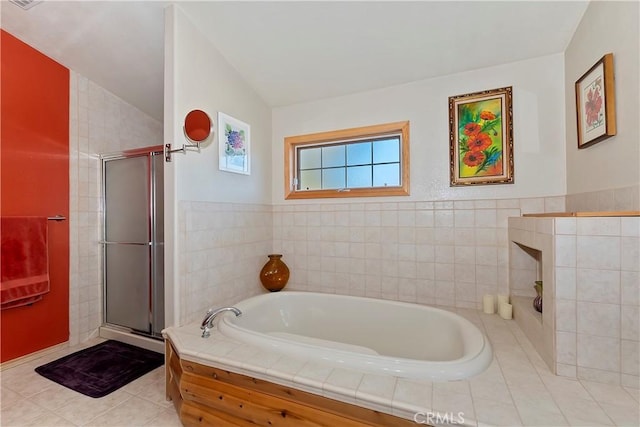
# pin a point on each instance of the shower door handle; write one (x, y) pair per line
(104, 242)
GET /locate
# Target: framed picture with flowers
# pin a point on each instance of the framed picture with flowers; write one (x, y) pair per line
(595, 103)
(481, 138)
(233, 145)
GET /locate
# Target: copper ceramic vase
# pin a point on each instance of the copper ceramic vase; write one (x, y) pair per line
(275, 273)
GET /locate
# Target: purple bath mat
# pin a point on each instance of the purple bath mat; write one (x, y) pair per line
(99, 370)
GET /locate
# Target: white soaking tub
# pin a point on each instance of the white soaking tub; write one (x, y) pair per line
(370, 335)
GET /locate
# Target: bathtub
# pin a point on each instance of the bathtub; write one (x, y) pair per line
(370, 335)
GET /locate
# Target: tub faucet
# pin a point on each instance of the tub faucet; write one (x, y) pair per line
(207, 323)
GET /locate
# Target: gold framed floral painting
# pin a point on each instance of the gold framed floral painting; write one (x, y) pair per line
(481, 138)
(595, 103)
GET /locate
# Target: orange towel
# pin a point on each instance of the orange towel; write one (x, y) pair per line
(24, 264)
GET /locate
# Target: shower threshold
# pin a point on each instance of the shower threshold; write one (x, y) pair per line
(114, 333)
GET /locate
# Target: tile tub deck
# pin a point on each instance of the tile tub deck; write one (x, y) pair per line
(517, 389)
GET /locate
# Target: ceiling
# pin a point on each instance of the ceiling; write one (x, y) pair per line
(292, 52)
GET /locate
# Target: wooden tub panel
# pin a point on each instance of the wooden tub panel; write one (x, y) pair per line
(213, 396)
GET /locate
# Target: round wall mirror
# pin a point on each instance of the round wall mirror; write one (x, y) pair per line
(197, 126)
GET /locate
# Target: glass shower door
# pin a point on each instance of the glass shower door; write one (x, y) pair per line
(157, 243)
(127, 242)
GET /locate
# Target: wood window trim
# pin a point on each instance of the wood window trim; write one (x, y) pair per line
(292, 142)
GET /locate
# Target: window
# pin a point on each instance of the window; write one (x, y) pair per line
(360, 162)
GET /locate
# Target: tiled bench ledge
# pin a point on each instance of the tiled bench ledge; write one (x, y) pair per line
(584, 214)
(588, 262)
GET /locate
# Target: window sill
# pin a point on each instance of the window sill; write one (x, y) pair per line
(354, 192)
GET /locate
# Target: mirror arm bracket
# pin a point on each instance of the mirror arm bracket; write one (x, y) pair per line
(197, 128)
(168, 150)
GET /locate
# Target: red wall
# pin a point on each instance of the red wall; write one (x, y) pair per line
(34, 181)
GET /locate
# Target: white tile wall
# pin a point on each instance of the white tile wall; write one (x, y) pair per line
(444, 252)
(100, 123)
(618, 199)
(601, 286)
(223, 246)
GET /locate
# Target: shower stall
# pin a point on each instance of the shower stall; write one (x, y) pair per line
(133, 241)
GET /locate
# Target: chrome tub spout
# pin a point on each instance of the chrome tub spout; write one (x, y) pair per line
(207, 322)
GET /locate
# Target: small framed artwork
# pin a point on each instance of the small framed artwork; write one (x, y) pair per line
(234, 142)
(481, 138)
(595, 103)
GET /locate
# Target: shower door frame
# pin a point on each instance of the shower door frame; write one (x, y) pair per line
(149, 153)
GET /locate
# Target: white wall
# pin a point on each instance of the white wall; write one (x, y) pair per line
(539, 127)
(216, 239)
(612, 163)
(204, 80)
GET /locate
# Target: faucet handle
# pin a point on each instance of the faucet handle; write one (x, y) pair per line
(204, 322)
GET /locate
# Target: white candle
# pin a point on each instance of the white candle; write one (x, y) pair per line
(503, 299)
(488, 304)
(506, 311)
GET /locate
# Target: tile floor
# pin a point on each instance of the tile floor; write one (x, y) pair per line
(29, 399)
(522, 385)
